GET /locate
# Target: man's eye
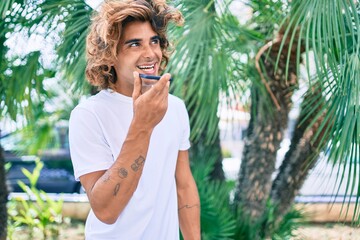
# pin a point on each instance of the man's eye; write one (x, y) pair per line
(135, 44)
(155, 41)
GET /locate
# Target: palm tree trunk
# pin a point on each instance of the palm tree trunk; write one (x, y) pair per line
(3, 198)
(215, 149)
(3, 189)
(266, 129)
(299, 160)
(259, 157)
(201, 150)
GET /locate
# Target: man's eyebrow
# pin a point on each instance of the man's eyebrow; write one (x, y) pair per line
(132, 40)
(135, 40)
(155, 37)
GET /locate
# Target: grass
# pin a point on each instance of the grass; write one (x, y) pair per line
(72, 230)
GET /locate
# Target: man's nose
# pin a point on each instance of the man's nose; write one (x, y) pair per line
(148, 52)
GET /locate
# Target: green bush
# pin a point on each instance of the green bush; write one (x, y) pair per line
(220, 220)
(38, 212)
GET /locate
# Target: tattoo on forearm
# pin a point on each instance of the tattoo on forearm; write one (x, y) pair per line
(123, 173)
(135, 167)
(138, 163)
(116, 189)
(140, 160)
(189, 206)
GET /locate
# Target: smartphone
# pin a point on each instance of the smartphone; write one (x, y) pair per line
(152, 77)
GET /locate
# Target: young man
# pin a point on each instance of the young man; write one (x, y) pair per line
(129, 143)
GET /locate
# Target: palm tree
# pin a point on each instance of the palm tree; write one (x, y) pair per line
(277, 63)
(204, 70)
(327, 119)
(3, 198)
(3, 195)
(331, 107)
(22, 91)
(324, 120)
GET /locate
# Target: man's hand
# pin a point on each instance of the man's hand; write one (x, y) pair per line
(150, 107)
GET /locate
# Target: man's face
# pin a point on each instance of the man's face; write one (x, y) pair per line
(139, 50)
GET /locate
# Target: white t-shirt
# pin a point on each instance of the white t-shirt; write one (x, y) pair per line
(97, 130)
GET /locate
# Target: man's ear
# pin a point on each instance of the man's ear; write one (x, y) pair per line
(113, 77)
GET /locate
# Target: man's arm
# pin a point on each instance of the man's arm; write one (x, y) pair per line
(109, 191)
(188, 199)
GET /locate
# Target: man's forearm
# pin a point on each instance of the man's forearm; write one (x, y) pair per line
(113, 190)
(189, 213)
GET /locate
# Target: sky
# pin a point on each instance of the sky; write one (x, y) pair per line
(94, 4)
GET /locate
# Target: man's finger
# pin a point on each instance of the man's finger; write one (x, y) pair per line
(161, 84)
(165, 91)
(137, 86)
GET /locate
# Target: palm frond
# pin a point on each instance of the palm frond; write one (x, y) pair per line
(7, 5)
(66, 20)
(217, 220)
(23, 85)
(330, 32)
(267, 15)
(336, 47)
(202, 62)
(70, 21)
(74, 16)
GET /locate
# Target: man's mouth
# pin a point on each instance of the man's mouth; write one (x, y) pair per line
(147, 68)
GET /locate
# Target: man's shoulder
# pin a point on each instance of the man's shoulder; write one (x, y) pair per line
(176, 100)
(91, 102)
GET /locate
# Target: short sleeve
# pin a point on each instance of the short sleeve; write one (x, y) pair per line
(184, 116)
(88, 148)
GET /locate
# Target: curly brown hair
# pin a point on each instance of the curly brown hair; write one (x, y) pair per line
(105, 33)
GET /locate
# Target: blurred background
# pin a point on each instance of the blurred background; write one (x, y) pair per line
(272, 91)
